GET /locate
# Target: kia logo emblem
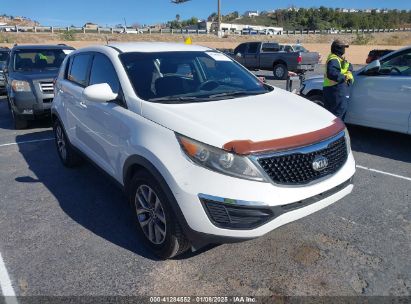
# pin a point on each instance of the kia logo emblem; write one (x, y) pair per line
(320, 163)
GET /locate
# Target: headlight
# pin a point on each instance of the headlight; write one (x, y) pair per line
(20, 86)
(347, 141)
(219, 160)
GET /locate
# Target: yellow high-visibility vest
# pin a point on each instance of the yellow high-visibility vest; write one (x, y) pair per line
(344, 69)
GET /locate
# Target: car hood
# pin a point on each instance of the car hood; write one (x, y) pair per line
(274, 115)
(35, 75)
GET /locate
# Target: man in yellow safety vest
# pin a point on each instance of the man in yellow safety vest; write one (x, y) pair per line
(337, 79)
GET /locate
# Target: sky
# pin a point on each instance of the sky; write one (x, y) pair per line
(110, 13)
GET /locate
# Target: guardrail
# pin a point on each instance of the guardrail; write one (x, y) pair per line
(113, 30)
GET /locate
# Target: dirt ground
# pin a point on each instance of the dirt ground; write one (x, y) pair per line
(319, 43)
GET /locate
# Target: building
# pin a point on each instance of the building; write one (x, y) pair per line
(233, 27)
(251, 14)
(91, 26)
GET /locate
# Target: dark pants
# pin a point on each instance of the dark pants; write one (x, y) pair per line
(336, 100)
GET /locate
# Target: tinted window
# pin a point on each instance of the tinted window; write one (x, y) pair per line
(253, 48)
(3, 56)
(79, 69)
(270, 47)
(37, 59)
(240, 49)
(102, 71)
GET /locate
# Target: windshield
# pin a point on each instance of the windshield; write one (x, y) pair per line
(28, 60)
(4, 56)
(178, 77)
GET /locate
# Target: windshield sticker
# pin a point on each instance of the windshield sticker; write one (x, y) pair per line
(218, 56)
(67, 51)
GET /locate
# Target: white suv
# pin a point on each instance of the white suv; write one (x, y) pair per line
(205, 151)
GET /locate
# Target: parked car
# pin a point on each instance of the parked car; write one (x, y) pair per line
(380, 95)
(29, 74)
(267, 56)
(205, 152)
(377, 54)
(297, 48)
(4, 55)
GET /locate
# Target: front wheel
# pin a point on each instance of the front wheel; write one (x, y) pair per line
(18, 122)
(154, 217)
(317, 98)
(280, 71)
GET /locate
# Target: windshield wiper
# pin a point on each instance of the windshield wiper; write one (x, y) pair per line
(235, 93)
(173, 99)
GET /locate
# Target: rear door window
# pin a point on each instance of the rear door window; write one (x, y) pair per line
(79, 69)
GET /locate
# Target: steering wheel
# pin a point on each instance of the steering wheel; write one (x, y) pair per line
(396, 69)
(208, 85)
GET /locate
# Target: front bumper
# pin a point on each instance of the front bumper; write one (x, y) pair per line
(305, 67)
(192, 183)
(29, 105)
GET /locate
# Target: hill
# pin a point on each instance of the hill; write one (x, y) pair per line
(325, 18)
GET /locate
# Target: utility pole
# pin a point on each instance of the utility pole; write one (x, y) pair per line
(218, 9)
(219, 16)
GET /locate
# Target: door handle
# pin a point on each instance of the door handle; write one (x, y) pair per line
(83, 104)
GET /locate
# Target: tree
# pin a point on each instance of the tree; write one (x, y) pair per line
(178, 17)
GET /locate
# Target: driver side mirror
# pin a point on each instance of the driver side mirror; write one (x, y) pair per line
(372, 68)
(99, 93)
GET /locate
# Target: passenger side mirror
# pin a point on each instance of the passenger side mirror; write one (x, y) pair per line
(372, 68)
(99, 93)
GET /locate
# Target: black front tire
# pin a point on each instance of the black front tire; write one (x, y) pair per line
(280, 71)
(18, 122)
(68, 156)
(317, 98)
(174, 242)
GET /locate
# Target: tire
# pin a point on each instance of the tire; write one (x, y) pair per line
(153, 212)
(68, 156)
(8, 103)
(317, 98)
(280, 71)
(19, 124)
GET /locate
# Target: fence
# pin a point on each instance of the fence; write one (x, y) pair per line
(112, 30)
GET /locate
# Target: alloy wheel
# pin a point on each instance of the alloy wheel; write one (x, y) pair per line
(61, 142)
(279, 72)
(150, 214)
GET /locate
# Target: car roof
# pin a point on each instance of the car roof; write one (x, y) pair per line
(395, 52)
(43, 47)
(149, 47)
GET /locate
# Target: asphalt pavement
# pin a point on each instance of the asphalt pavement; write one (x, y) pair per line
(70, 232)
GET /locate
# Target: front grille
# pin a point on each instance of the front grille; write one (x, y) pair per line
(47, 87)
(48, 100)
(297, 168)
